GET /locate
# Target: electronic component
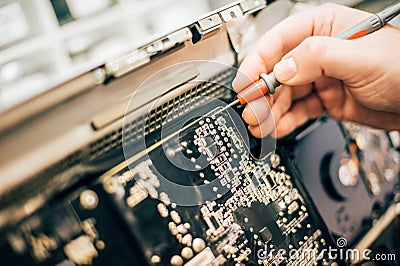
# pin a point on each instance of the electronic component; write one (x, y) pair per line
(347, 173)
(194, 187)
(245, 203)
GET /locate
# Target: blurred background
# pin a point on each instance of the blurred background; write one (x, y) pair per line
(44, 42)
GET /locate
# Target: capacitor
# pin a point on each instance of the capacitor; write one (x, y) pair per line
(187, 253)
(187, 240)
(155, 259)
(198, 244)
(88, 199)
(176, 260)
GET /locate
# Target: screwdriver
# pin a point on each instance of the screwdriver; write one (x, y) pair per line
(268, 83)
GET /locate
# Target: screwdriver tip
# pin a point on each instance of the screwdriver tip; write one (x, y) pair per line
(235, 102)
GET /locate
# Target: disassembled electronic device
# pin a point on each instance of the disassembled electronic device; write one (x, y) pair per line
(144, 165)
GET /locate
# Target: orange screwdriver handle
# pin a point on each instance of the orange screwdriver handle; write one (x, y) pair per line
(252, 92)
(266, 84)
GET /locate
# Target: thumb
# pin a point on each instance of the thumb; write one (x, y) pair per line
(317, 56)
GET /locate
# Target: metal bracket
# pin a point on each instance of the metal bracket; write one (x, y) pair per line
(209, 24)
(231, 13)
(204, 26)
(143, 55)
(251, 6)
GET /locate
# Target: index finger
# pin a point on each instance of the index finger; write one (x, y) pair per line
(325, 20)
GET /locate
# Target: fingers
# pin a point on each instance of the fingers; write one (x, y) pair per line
(282, 103)
(270, 49)
(266, 127)
(317, 56)
(258, 111)
(290, 33)
(249, 71)
(356, 112)
(332, 94)
(299, 92)
(301, 111)
(306, 57)
(261, 117)
(308, 64)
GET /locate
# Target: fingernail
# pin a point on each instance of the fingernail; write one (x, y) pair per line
(245, 110)
(234, 83)
(285, 69)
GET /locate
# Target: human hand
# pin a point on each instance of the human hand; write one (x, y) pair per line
(356, 80)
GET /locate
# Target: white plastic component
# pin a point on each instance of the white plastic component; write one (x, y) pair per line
(79, 8)
(13, 23)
